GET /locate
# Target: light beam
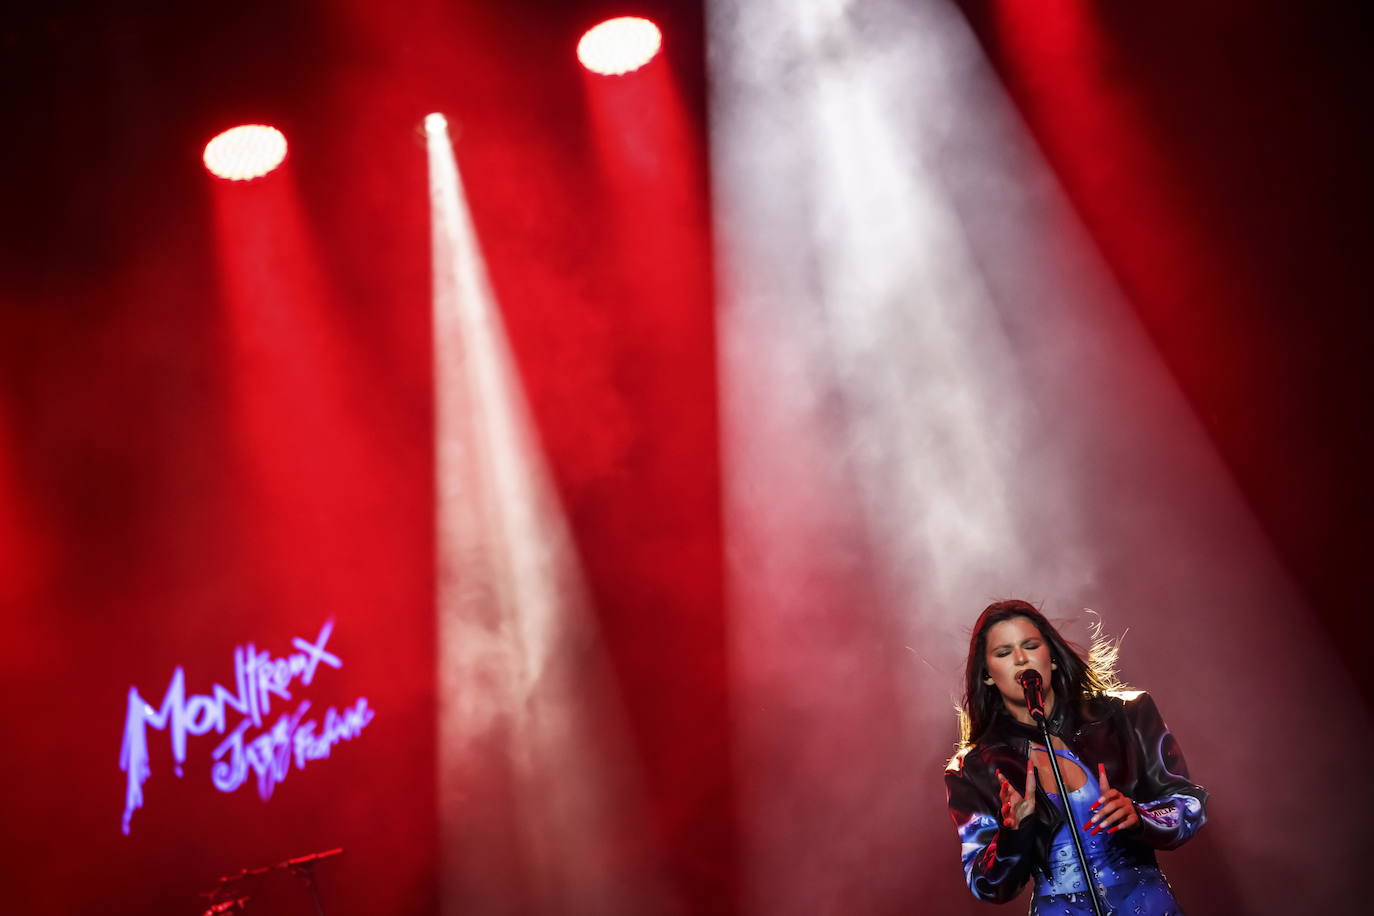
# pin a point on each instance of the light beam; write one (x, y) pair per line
(537, 791)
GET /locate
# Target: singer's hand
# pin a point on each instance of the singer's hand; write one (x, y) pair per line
(1015, 806)
(1114, 811)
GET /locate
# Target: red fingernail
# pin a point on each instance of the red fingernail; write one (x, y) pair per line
(1094, 806)
(1112, 829)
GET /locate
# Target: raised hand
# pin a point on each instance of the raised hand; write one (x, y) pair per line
(1113, 810)
(1016, 806)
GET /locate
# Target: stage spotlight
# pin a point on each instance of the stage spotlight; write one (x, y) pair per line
(245, 152)
(619, 45)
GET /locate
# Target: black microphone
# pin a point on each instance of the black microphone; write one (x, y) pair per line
(1032, 684)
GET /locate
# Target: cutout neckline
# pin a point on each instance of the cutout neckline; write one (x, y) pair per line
(1076, 771)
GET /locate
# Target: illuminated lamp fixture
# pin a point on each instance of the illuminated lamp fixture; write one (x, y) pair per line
(245, 152)
(619, 45)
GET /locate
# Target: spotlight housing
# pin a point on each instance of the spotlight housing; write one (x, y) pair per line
(618, 46)
(245, 152)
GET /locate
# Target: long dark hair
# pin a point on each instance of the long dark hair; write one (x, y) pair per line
(1075, 680)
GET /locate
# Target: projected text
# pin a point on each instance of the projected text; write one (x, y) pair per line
(267, 751)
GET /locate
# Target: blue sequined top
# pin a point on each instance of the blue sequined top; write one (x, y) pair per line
(1120, 878)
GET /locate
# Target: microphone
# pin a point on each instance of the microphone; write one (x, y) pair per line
(1033, 685)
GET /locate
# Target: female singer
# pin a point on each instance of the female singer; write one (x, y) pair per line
(1127, 784)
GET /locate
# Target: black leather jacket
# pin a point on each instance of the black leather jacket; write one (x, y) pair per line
(1122, 730)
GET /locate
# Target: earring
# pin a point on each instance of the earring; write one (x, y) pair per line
(1054, 666)
(989, 681)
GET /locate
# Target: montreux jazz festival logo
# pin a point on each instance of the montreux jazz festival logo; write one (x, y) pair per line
(251, 746)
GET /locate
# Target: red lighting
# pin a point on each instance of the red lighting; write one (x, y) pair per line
(245, 152)
(619, 45)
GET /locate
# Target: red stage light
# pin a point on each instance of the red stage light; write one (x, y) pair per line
(619, 45)
(245, 152)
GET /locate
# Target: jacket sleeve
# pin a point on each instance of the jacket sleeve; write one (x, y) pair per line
(1171, 807)
(997, 861)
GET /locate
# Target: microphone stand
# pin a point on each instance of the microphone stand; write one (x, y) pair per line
(303, 867)
(1068, 813)
(306, 872)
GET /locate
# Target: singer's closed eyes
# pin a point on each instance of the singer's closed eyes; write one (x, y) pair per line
(1064, 773)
